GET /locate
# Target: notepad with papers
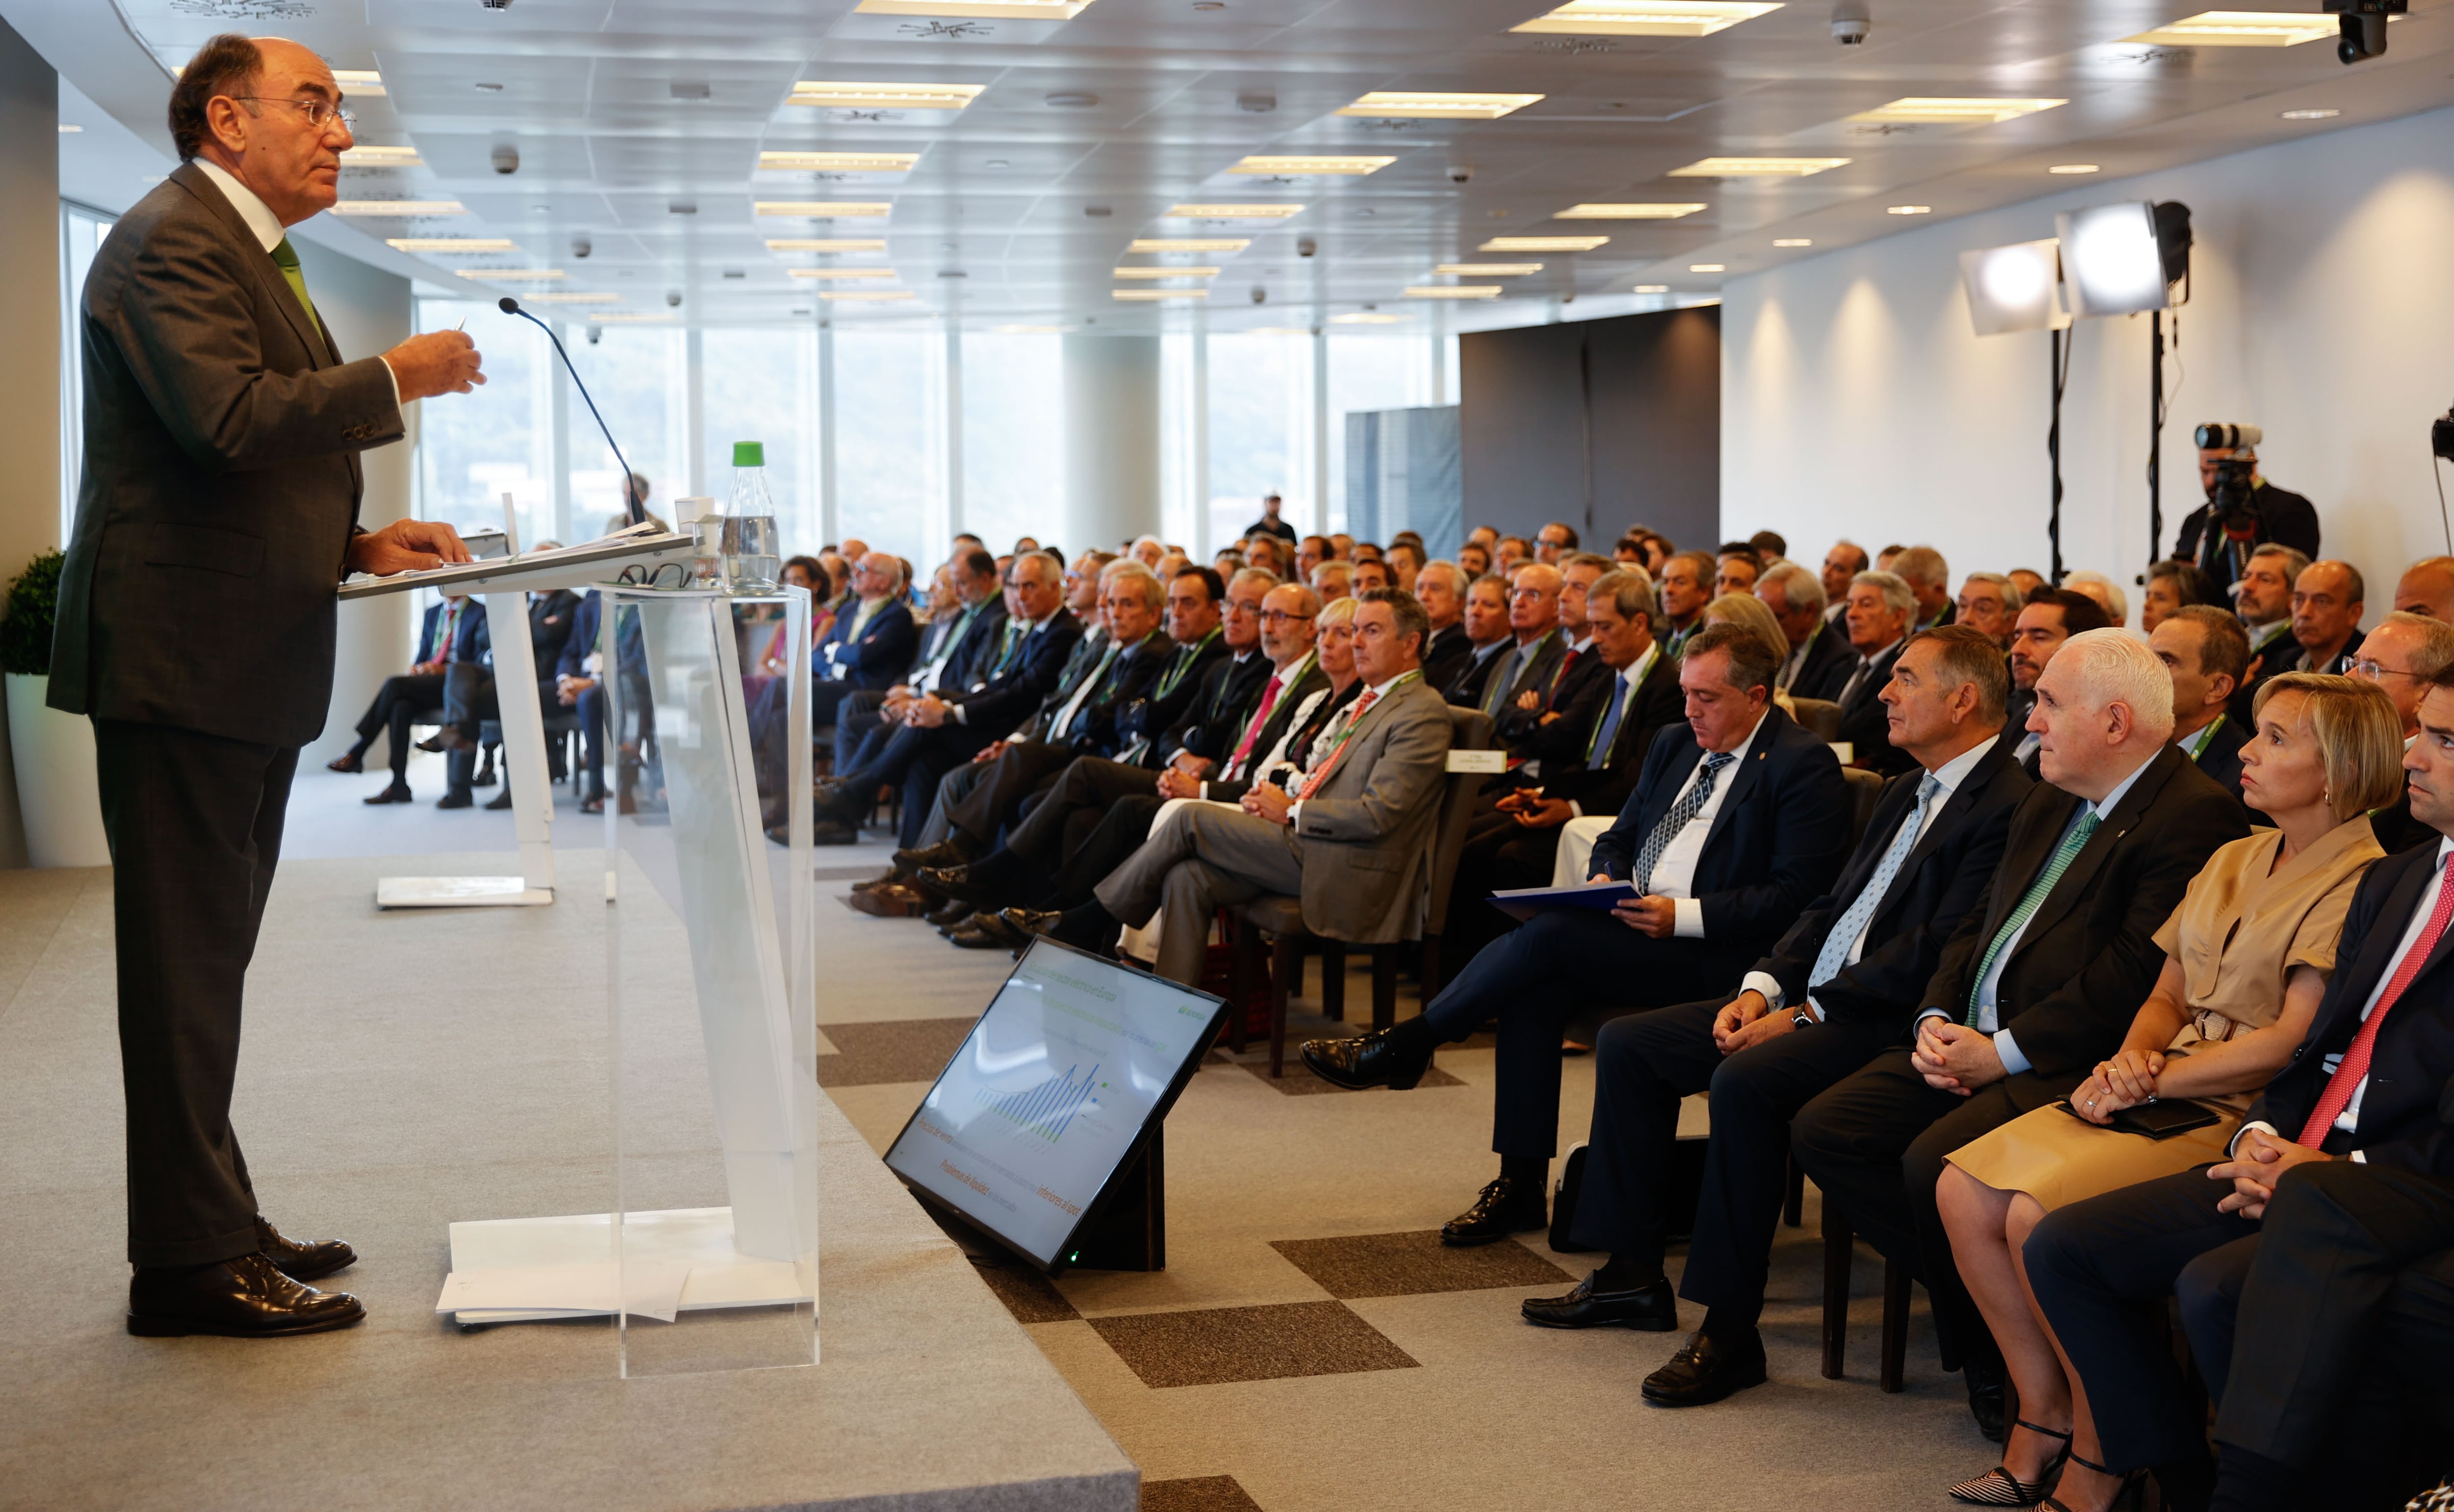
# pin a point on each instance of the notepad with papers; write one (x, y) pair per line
(1523, 904)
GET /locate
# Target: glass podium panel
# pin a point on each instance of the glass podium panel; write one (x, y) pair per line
(709, 979)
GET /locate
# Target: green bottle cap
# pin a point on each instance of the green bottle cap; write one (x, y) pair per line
(749, 453)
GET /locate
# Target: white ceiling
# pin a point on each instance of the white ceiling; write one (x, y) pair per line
(1032, 203)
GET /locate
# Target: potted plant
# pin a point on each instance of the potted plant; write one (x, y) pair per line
(53, 752)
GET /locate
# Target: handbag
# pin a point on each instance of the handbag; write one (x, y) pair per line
(2159, 1120)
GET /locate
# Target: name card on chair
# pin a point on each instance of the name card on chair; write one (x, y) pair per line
(1479, 761)
(1845, 751)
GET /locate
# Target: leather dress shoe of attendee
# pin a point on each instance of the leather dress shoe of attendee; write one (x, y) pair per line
(971, 936)
(1987, 1389)
(346, 762)
(461, 799)
(1653, 1307)
(889, 878)
(1380, 1058)
(1017, 927)
(246, 1298)
(1706, 1370)
(397, 792)
(945, 853)
(500, 801)
(302, 1260)
(970, 882)
(1506, 1206)
(593, 803)
(446, 738)
(898, 901)
(948, 917)
(486, 776)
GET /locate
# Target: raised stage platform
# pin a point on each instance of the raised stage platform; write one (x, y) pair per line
(401, 1071)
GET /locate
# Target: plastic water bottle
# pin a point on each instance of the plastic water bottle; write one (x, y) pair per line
(752, 557)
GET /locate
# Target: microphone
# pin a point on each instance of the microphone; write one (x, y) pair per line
(638, 507)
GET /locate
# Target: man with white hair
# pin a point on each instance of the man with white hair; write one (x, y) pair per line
(1881, 608)
(2107, 593)
(2039, 985)
(1930, 578)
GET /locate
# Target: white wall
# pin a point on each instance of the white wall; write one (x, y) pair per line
(1855, 400)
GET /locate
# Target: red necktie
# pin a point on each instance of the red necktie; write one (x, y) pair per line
(2355, 1063)
(1253, 730)
(1312, 783)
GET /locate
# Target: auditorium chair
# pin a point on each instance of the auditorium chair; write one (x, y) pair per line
(1821, 715)
(1280, 919)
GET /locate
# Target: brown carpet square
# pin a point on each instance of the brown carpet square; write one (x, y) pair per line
(1214, 1346)
(1413, 1264)
(1209, 1493)
(844, 874)
(896, 1050)
(1027, 1294)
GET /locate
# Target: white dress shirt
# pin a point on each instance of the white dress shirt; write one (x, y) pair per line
(268, 228)
(1624, 692)
(2013, 1061)
(1674, 874)
(1947, 779)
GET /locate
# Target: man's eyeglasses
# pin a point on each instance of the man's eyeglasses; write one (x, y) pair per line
(2373, 671)
(1281, 616)
(319, 114)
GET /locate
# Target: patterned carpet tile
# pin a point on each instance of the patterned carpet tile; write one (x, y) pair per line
(896, 1050)
(1027, 1294)
(1414, 1264)
(1214, 1346)
(1209, 1493)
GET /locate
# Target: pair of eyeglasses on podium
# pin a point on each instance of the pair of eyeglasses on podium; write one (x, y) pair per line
(638, 576)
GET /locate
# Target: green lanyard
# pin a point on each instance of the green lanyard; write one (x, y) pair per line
(2198, 746)
(1329, 758)
(1185, 658)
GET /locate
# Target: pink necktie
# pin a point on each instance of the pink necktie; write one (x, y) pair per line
(1253, 730)
(2355, 1063)
(1312, 784)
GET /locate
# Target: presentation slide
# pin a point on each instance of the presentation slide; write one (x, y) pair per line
(1047, 1096)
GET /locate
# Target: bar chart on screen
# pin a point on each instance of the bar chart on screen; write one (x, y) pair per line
(1047, 1109)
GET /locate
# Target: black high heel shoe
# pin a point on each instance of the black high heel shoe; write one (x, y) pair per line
(2130, 1497)
(2000, 1488)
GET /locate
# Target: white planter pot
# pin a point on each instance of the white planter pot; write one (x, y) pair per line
(56, 790)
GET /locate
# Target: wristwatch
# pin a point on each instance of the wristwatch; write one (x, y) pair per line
(1801, 1019)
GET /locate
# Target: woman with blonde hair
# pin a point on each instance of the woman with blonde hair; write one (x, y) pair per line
(1753, 616)
(2247, 954)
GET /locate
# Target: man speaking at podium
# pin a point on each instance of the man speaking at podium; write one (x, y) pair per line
(216, 517)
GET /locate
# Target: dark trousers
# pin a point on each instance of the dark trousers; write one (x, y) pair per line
(195, 823)
(1120, 830)
(1072, 808)
(397, 703)
(915, 760)
(590, 703)
(1875, 1144)
(1535, 979)
(996, 795)
(1642, 1067)
(1498, 854)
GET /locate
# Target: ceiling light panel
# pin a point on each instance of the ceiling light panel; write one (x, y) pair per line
(979, 10)
(1167, 272)
(397, 208)
(2240, 29)
(1454, 292)
(1542, 243)
(1708, 268)
(359, 83)
(1489, 270)
(1948, 111)
(821, 208)
(842, 95)
(512, 275)
(1312, 166)
(368, 155)
(1189, 244)
(1365, 317)
(1645, 18)
(1434, 105)
(1793, 241)
(1146, 295)
(872, 296)
(629, 317)
(1232, 212)
(575, 296)
(1757, 167)
(838, 162)
(826, 244)
(1660, 212)
(451, 244)
(841, 273)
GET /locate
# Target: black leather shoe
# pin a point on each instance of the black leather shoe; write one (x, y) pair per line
(302, 1261)
(500, 801)
(1506, 1206)
(972, 936)
(1376, 1059)
(951, 916)
(346, 762)
(397, 792)
(891, 876)
(1017, 927)
(462, 800)
(1705, 1370)
(1653, 1307)
(247, 1298)
(945, 853)
(963, 882)
(485, 777)
(1985, 1397)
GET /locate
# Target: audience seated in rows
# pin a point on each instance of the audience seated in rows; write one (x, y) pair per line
(1881, 608)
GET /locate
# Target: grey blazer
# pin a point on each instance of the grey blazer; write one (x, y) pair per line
(220, 484)
(1364, 840)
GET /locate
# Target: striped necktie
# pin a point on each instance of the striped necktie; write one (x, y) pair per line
(2030, 901)
(286, 258)
(1681, 814)
(1853, 920)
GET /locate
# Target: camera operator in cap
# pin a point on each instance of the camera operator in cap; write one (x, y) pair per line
(2243, 511)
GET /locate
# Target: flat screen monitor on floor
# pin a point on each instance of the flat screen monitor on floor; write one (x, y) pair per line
(1053, 1094)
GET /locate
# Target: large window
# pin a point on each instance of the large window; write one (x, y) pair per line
(762, 386)
(81, 234)
(1261, 429)
(471, 452)
(1014, 437)
(641, 382)
(890, 441)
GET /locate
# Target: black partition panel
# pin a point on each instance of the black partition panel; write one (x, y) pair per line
(1602, 423)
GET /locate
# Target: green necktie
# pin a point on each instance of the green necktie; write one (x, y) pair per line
(287, 260)
(2029, 902)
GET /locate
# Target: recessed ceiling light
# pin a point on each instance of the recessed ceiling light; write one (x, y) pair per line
(1645, 18)
(358, 81)
(841, 273)
(1312, 166)
(1949, 110)
(399, 207)
(2074, 168)
(837, 93)
(1908, 210)
(981, 9)
(1489, 270)
(867, 295)
(1189, 244)
(512, 275)
(629, 317)
(1757, 167)
(820, 209)
(67, 130)
(450, 244)
(1708, 268)
(998, 162)
(1028, 330)
(1431, 105)
(1167, 272)
(1365, 317)
(839, 162)
(1542, 243)
(826, 244)
(368, 155)
(1652, 288)
(2240, 29)
(1160, 293)
(1793, 241)
(1665, 212)
(1232, 212)
(2309, 115)
(1454, 292)
(575, 296)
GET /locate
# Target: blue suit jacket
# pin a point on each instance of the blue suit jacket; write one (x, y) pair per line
(1776, 841)
(582, 639)
(467, 644)
(882, 653)
(1009, 702)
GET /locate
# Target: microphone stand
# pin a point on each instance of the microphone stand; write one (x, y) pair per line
(636, 506)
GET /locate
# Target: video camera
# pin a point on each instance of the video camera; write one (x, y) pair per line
(2228, 504)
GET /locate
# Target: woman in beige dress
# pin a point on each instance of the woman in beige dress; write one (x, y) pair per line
(2247, 953)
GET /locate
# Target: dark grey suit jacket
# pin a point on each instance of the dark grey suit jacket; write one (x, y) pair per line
(220, 485)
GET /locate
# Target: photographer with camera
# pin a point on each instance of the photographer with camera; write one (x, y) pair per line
(2243, 511)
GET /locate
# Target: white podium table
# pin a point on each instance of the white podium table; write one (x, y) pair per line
(504, 583)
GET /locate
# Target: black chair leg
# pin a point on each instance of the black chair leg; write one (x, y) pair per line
(1333, 980)
(1384, 986)
(1793, 1208)
(1244, 951)
(1286, 952)
(1836, 1256)
(1896, 1325)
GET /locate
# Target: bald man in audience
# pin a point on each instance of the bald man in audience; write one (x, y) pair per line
(2426, 587)
(2326, 609)
(1844, 561)
(1930, 578)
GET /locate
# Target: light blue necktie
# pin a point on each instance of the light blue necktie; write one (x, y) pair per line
(1496, 694)
(1681, 814)
(2029, 902)
(1608, 730)
(1853, 920)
